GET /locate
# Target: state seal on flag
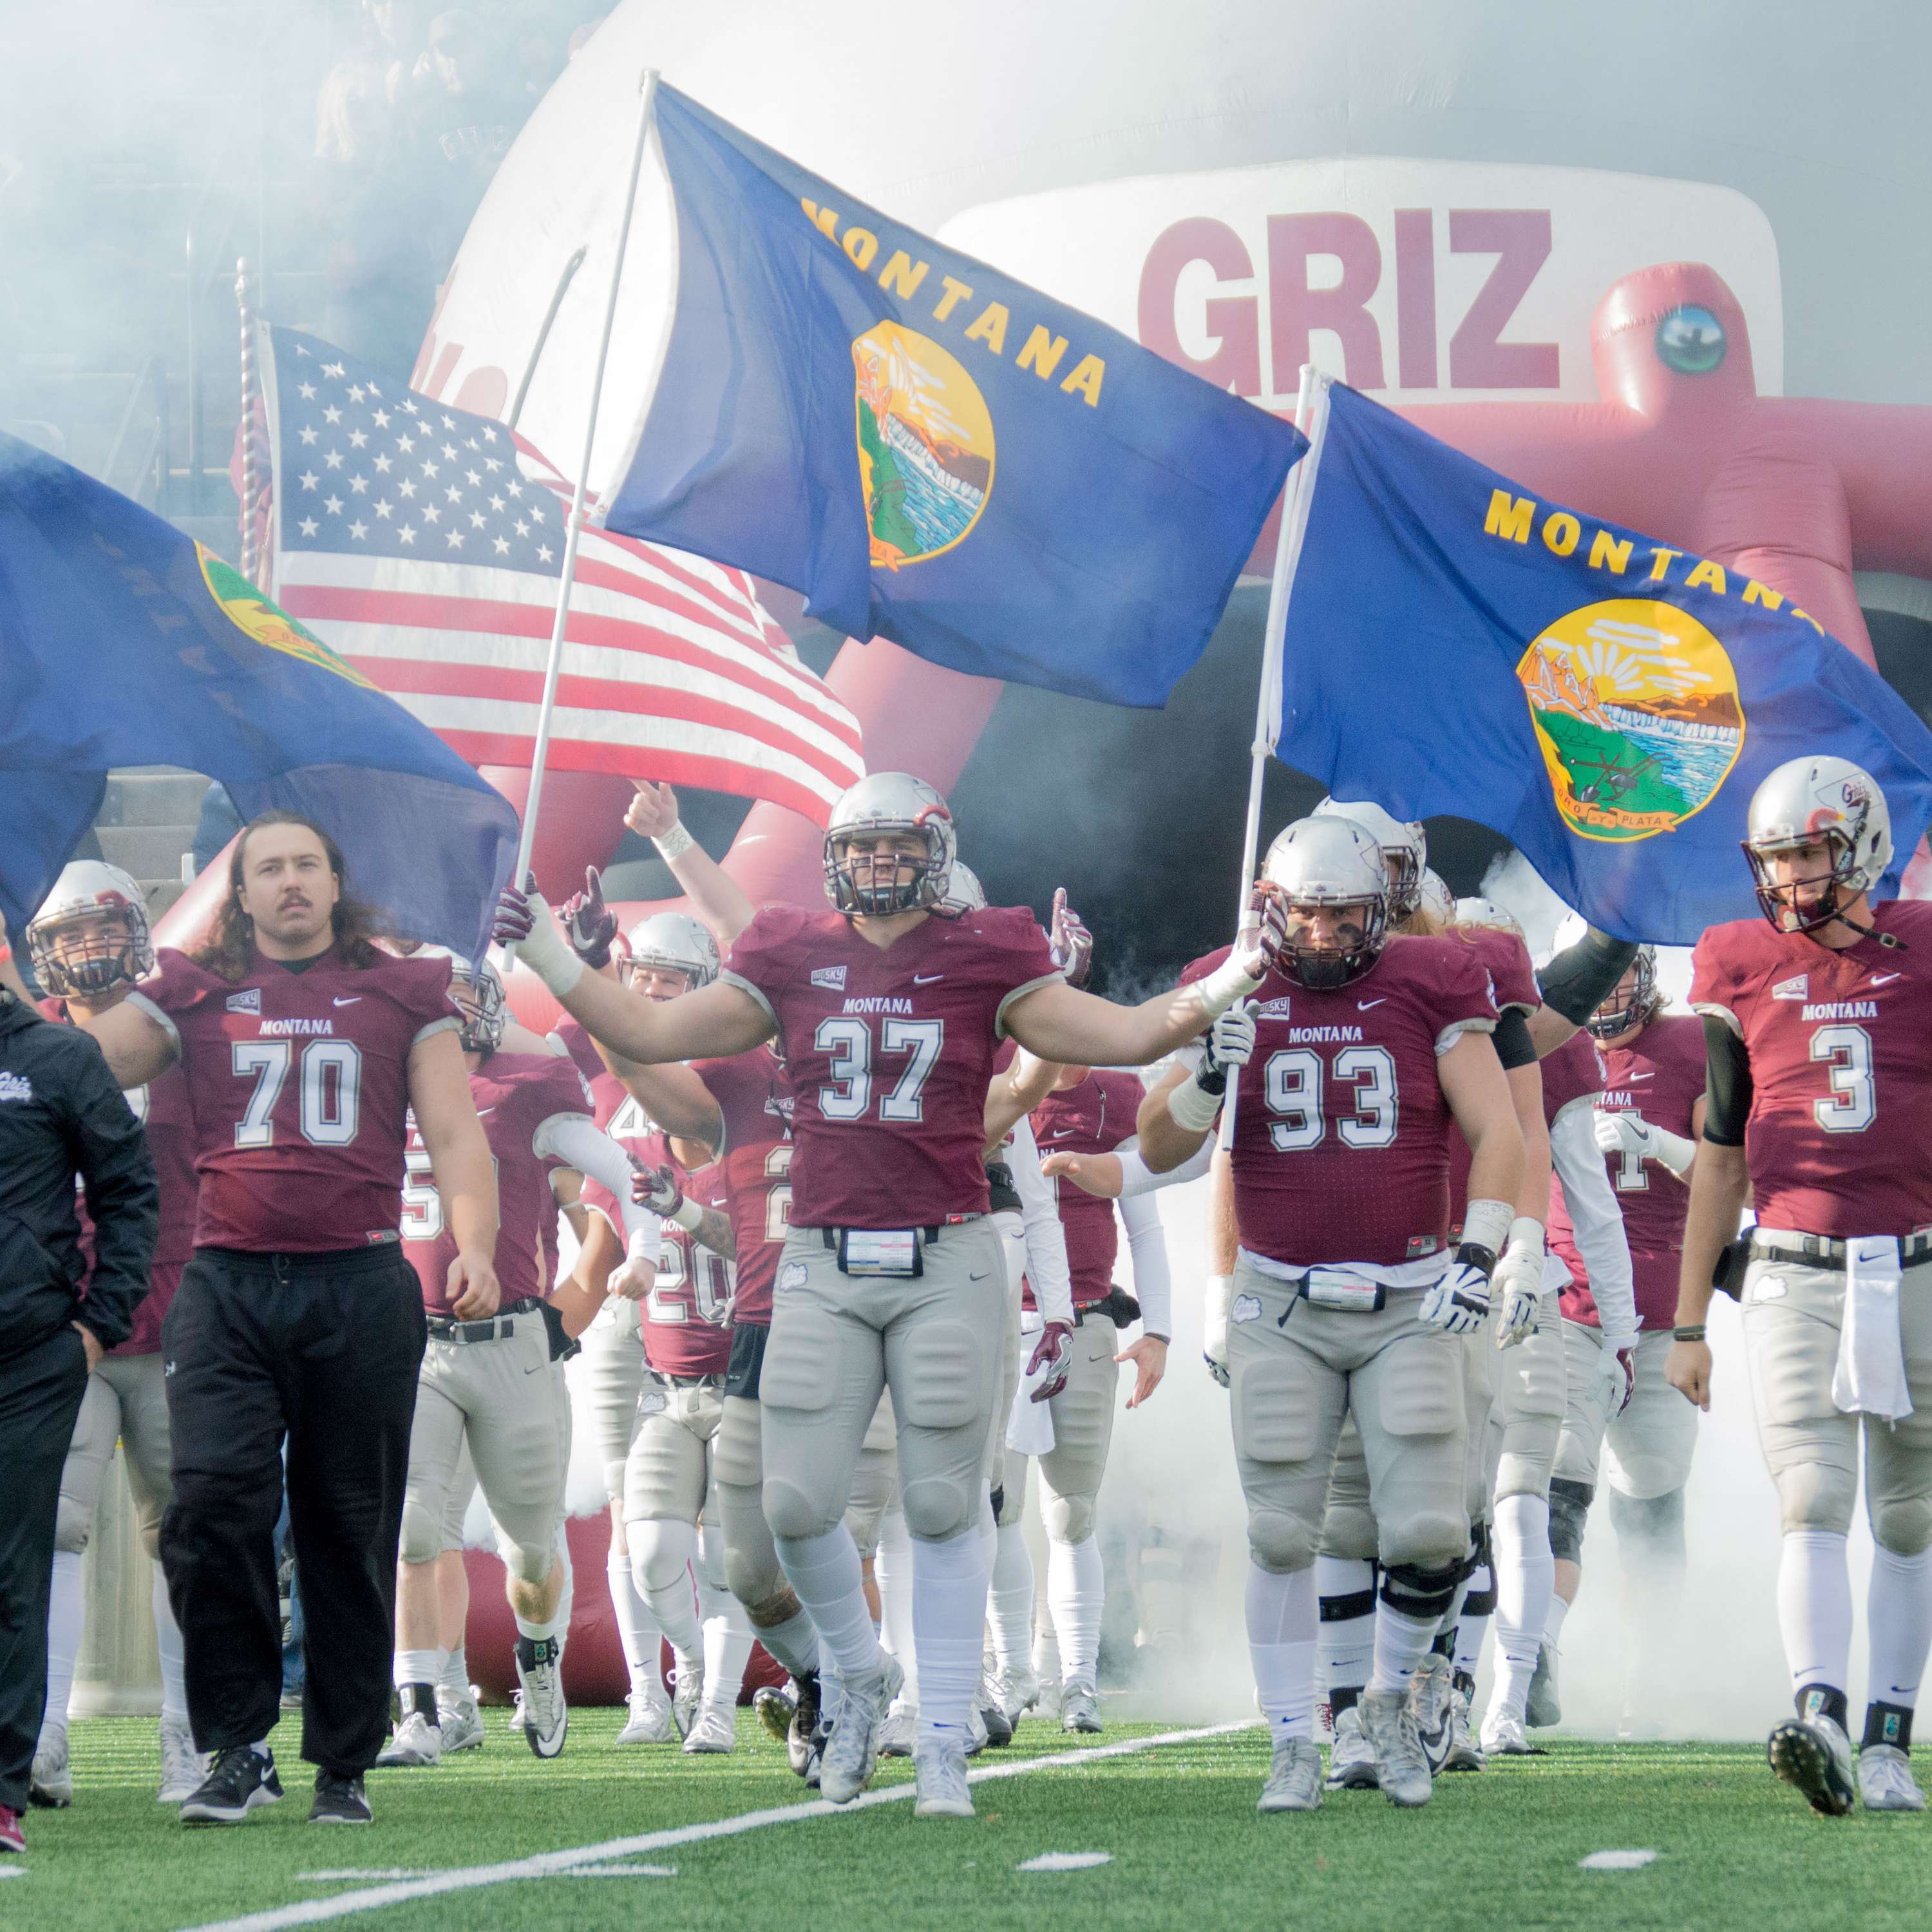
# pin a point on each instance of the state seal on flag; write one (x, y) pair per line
(925, 445)
(1636, 712)
(252, 611)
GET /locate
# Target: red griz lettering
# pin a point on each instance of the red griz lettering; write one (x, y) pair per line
(888, 1053)
(1304, 301)
(753, 1096)
(1341, 1133)
(1093, 1117)
(1841, 1080)
(299, 1089)
(1661, 1076)
(515, 1093)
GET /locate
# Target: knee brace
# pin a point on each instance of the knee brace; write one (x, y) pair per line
(1654, 1522)
(1068, 1519)
(769, 1613)
(1817, 1495)
(1346, 1609)
(1280, 1543)
(422, 1531)
(1348, 1531)
(1569, 1504)
(1418, 1592)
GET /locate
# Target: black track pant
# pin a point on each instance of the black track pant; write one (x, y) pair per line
(324, 1348)
(40, 1389)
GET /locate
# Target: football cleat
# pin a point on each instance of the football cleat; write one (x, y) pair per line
(1295, 1777)
(1351, 1758)
(774, 1709)
(1885, 1783)
(991, 1712)
(513, 1720)
(417, 1743)
(50, 1782)
(540, 1675)
(1431, 1693)
(1401, 1769)
(851, 1753)
(687, 1692)
(1503, 1735)
(803, 1742)
(648, 1720)
(900, 1732)
(939, 1773)
(714, 1732)
(1464, 1754)
(1545, 1707)
(460, 1720)
(1018, 1687)
(241, 1779)
(1079, 1710)
(182, 1766)
(976, 1733)
(339, 1801)
(1814, 1754)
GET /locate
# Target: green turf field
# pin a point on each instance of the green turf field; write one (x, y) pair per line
(1497, 1850)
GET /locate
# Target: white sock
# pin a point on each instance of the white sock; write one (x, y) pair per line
(538, 1633)
(1526, 1582)
(637, 1629)
(1814, 1607)
(1471, 1628)
(1347, 1645)
(1283, 1617)
(794, 1643)
(1402, 1641)
(949, 1611)
(66, 1630)
(892, 1572)
(825, 1573)
(417, 1667)
(455, 1678)
(1552, 1629)
(1076, 1592)
(168, 1643)
(728, 1644)
(1898, 1625)
(566, 1598)
(1009, 1600)
(662, 1549)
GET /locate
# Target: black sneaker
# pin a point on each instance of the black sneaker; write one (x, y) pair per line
(801, 1739)
(241, 1778)
(339, 1801)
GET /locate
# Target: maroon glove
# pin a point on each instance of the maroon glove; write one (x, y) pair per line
(655, 1188)
(589, 924)
(1068, 941)
(1627, 1361)
(514, 919)
(1270, 913)
(1054, 1352)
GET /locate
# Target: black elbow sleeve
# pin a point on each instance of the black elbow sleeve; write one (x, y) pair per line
(1579, 979)
(1514, 1047)
(1727, 1084)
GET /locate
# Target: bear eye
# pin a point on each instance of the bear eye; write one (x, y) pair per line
(1691, 340)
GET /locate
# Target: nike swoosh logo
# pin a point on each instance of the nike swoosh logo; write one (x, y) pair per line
(927, 979)
(353, 999)
(1631, 1079)
(483, 1112)
(1362, 1006)
(1885, 979)
(980, 1276)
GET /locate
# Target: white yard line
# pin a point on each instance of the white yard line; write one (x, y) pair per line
(549, 1864)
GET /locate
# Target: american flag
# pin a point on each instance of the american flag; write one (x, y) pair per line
(425, 544)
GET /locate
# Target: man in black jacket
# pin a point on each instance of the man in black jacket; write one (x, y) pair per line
(61, 1115)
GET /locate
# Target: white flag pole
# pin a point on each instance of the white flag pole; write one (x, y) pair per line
(1311, 417)
(647, 105)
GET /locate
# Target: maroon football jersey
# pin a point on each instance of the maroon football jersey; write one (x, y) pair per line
(680, 1323)
(515, 1093)
(162, 1108)
(1661, 1076)
(1573, 1076)
(1840, 1051)
(582, 1050)
(888, 1054)
(1507, 959)
(751, 1094)
(298, 1084)
(1093, 1117)
(1341, 1133)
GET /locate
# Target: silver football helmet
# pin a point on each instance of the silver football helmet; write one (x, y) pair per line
(477, 989)
(672, 942)
(964, 893)
(1633, 1002)
(1323, 862)
(1479, 911)
(71, 963)
(1820, 800)
(875, 884)
(1436, 899)
(1405, 849)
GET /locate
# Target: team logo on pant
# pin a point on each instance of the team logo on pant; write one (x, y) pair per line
(925, 445)
(1635, 707)
(793, 1274)
(1246, 1308)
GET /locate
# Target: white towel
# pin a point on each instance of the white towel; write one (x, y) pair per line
(1870, 1372)
(1030, 1425)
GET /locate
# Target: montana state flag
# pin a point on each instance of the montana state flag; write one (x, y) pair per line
(928, 450)
(123, 642)
(1455, 643)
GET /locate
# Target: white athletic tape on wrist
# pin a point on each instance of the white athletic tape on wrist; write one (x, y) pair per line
(1223, 986)
(1676, 1152)
(688, 1214)
(1487, 1223)
(1193, 1107)
(1525, 1232)
(673, 845)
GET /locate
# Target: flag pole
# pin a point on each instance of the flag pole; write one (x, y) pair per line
(1311, 417)
(647, 106)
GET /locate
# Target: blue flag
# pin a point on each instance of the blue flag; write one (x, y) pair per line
(123, 642)
(930, 451)
(1455, 644)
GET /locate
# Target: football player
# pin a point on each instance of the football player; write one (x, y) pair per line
(495, 1386)
(1363, 1053)
(1818, 1029)
(892, 1276)
(89, 944)
(1649, 1122)
(305, 1048)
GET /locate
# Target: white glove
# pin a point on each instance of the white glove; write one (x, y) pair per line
(1616, 1376)
(1459, 1300)
(1229, 1042)
(526, 925)
(1517, 1284)
(1627, 1133)
(1215, 1303)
